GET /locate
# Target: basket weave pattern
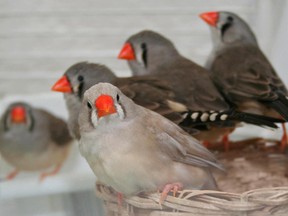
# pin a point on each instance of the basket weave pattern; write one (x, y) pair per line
(259, 202)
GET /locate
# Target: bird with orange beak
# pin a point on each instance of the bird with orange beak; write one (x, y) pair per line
(149, 91)
(133, 149)
(32, 139)
(241, 71)
(150, 53)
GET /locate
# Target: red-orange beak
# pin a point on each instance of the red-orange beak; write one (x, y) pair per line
(105, 105)
(210, 17)
(62, 85)
(127, 52)
(18, 114)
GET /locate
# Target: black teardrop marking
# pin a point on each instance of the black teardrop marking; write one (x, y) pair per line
(144, 54)
(32, 124)
(80, 90)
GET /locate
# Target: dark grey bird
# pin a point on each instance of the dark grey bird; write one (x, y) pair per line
(32, 139)
(149, 53)
(241, 71)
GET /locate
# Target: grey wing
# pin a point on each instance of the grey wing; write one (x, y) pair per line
(153, 94)
(247, 73)
(198, 91)
(58, 129)
(206, 95)
(180, 146)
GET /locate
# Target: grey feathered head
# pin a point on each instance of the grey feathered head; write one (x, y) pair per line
(104, 103)
(18, 114)
(228, 29)
(81, 76)
(145, 49)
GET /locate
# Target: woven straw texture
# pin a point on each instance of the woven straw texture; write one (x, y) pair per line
(259, 202)
(251, 166)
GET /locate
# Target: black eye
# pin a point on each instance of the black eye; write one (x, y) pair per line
(89, 105)
(230, 19)
(80, 78)
(117, 98)
(143, 46)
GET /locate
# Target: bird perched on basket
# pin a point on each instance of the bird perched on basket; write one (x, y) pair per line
(32, 139)
(148, 91)
(150, 53)
(241, 71)
(133, 149)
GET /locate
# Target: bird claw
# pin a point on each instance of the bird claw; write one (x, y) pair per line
(174, 187)
(44, 175)
(12, 175)
(284, 139)
(120, 200)
(206, 144)
(226, 142)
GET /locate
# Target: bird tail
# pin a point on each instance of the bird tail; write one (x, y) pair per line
(281, 106)
(200, 118)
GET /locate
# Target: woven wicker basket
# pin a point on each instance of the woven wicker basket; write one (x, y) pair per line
(260, 202)
(247, 169)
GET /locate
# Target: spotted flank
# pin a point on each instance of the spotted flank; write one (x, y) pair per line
(225, 118)
(209, 116)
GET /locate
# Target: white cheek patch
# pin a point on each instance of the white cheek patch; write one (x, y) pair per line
(139, 58)
(120, 111)
(94, 118)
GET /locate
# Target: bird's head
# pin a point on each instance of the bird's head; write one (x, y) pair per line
(103, 103)
(18, 115)
(144, 50)
(81, 76)
(228, 28)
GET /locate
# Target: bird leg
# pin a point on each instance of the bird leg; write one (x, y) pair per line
(12, 175)
(174, 187)
(284, 138)
(51, 173)
(119, 200)
(226, 142)
(206, 144)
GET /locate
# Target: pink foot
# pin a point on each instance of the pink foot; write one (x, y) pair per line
(120, 200)
(206, 144)
(225, 141)
(12, 175)
(284, 139)
(174, 187)
(51, 173)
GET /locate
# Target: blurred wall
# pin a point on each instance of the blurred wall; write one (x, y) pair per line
(40, 39)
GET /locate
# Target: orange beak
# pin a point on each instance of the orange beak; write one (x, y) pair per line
(18, 114)
(105, 105)
(127, 52)
(210, 17)
(62, 85)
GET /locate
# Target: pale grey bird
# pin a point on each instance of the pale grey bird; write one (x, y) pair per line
(32, 139)
(150, 53)
(148, 91)
(241, 71)
(133, 149)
